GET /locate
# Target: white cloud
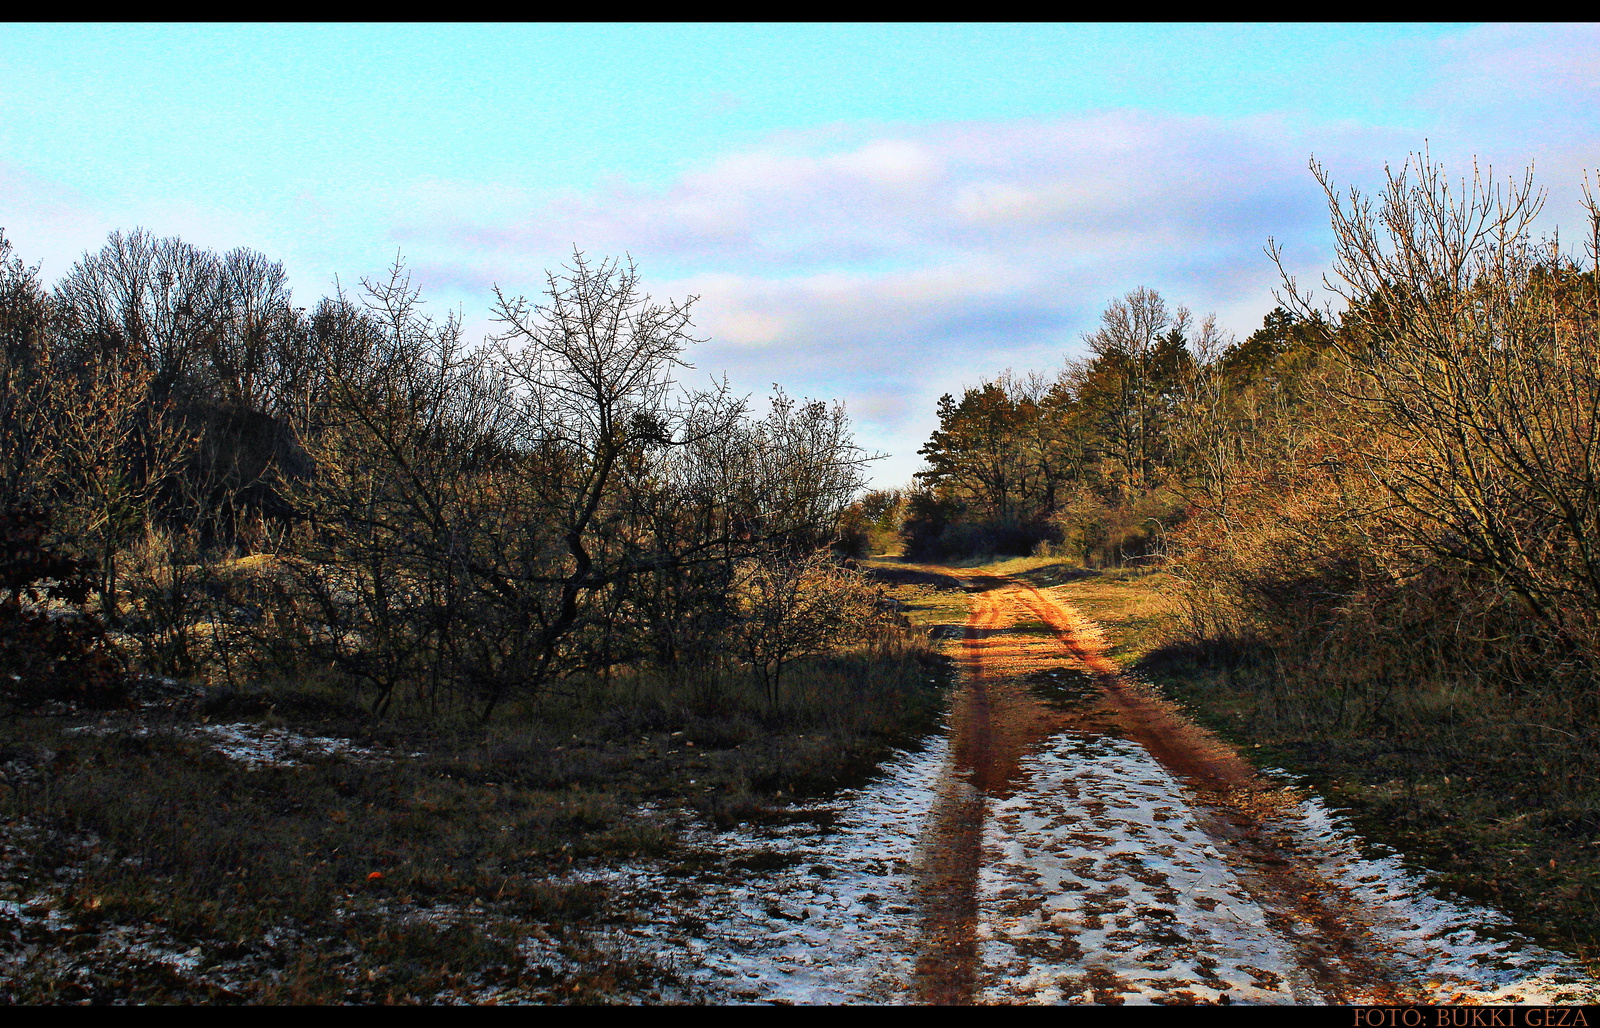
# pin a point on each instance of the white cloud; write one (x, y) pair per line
(1505, 66)
(886, 264)
(890, 163)
(886, 267)
(1001, 202)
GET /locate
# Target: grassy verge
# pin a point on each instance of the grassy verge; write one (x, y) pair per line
(935, 605)
(416, 859)
(1484, 790)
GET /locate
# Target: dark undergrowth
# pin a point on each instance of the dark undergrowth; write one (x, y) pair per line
(428, 865)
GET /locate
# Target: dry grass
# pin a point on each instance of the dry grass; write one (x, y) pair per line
(1493, 791)
(395, 878)
(391, 878)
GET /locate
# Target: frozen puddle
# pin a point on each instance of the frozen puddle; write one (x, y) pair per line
(1098, 886)
(838, 924)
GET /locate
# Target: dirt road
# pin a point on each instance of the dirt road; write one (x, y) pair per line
(1089, 843)
(1069, 838)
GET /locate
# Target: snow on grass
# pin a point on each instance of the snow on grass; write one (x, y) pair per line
(259, 746)
(832, 922)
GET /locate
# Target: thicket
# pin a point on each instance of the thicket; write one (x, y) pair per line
(245, 491)
(1085, 464)
(1421, 515)
(1390, 510)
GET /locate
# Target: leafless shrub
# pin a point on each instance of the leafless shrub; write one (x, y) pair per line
(359, 493)
(797, 607)
(494, 521)
(1473, 387)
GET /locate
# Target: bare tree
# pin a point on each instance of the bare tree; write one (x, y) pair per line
(591, 391)
(800, 467)
(1125, 346)
(148, 300)
(1474, 381)
(405, 441)
(1207, 429)
(28, 394)
(118, 451)
(492, 521)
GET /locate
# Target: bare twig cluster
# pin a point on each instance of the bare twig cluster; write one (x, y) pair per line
(261, 492)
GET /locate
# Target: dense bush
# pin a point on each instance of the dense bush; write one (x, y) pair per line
(251, 491)
(1387, 497)
(51, 648)
(1415, 511)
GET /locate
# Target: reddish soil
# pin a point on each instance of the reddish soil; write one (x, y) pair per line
(1015, 631)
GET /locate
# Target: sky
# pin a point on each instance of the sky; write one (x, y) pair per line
(874, 214)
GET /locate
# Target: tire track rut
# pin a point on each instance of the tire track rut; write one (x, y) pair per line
(1013, 634)
(1070, 838)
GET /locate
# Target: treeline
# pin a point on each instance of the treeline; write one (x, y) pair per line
(200, 479)
(1094, 462)
(1404, 491)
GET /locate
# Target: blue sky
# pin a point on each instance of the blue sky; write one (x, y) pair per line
(877, 214)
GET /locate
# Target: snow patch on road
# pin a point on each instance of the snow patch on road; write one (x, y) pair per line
(1098, 886)
(1457, 951)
